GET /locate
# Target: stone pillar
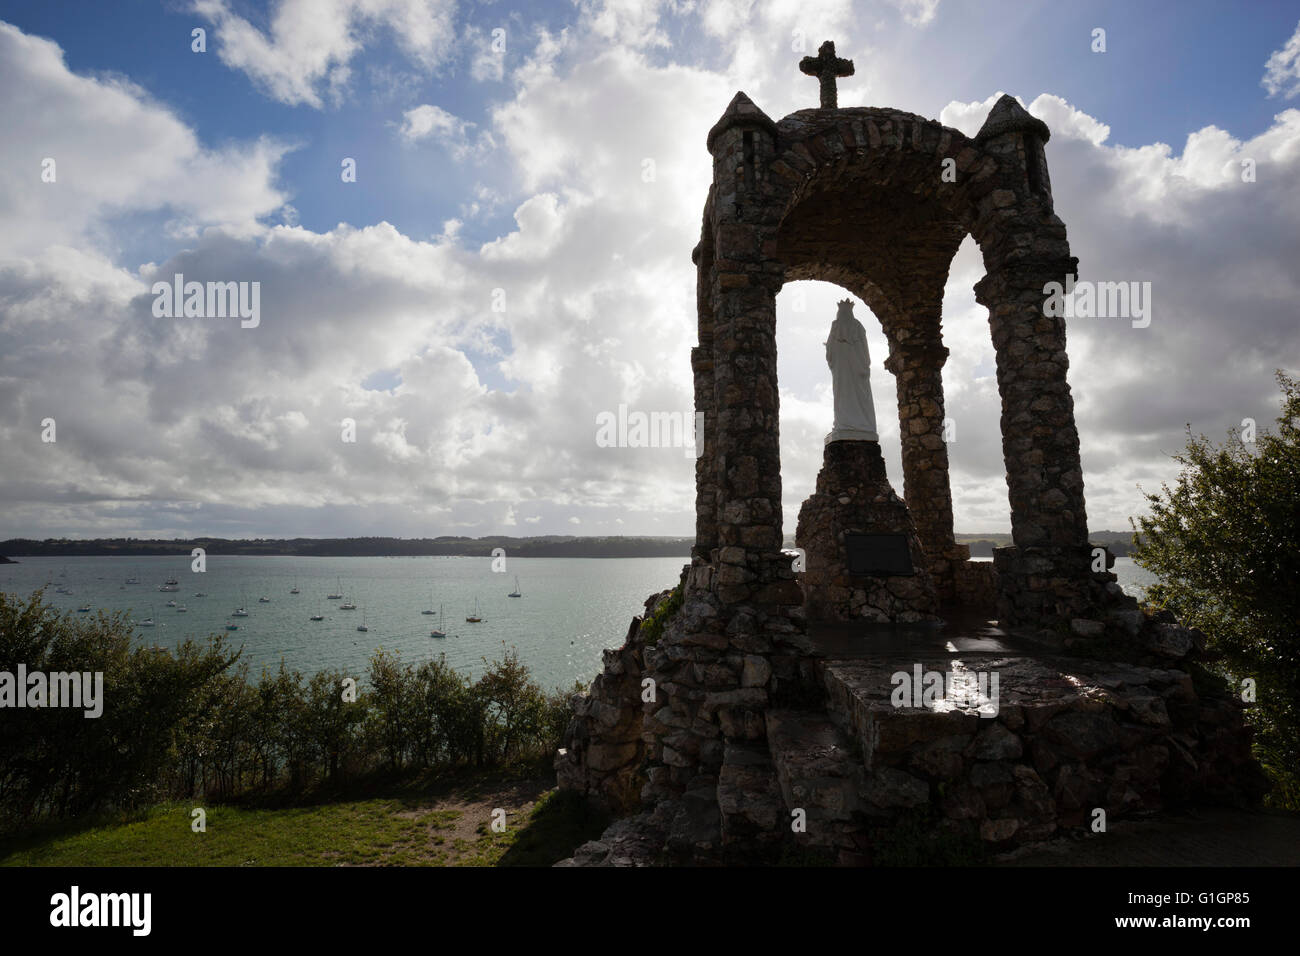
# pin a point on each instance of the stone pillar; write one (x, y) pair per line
(916, 360)
(1045, 577)
(744, 283)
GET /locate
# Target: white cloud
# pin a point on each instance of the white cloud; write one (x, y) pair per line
(115, 151)
(628, 23)
(1282, 69)
(494, 416)
(426, 122)
(917, 12)
(305, 58)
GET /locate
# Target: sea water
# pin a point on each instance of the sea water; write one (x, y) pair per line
(570, 610)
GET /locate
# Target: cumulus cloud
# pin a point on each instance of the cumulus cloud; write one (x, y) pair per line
(1215, 247)
(1282, 69)
(496, 354)
(114, 151)
(305, 57)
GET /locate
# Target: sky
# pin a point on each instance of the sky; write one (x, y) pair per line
(511, 260)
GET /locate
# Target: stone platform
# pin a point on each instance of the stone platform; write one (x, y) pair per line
(1000, 746)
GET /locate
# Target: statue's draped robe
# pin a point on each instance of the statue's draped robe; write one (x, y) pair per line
(846, 354)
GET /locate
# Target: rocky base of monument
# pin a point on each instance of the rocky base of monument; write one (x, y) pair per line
(854, 497)
(795, 757)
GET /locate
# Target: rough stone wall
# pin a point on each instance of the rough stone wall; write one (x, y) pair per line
(854, 496)
(604, 750)
(975, 583)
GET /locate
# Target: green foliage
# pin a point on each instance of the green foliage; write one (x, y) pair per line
(1223, 543)
(190, 722)
(652, 628)
(58, 762)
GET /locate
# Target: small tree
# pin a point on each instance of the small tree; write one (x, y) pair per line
(1225, 545)
(516, 706)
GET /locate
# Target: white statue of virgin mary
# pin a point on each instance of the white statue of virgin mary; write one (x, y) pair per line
(846, 354)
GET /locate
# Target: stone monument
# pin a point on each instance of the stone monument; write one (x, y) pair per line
(724, 712)
(863, 559)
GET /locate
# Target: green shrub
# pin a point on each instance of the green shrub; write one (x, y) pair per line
(189, 722)
(1225, 544)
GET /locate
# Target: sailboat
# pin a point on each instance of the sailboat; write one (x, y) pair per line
(475, 619)
(148, 621)
(429, 610)
(439, 632)
(294, 589)
(362, 625)
(264, 600)
(318, 616)
(515, 592)
(338, 588)
(347, 606)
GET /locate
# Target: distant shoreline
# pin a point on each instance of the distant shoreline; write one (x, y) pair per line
(545, 546)
(539, 547)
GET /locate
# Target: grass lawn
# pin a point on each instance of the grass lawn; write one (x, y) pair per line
(446, 824)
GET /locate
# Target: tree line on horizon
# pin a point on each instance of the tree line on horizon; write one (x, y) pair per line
(545, 546)
(1120, 544)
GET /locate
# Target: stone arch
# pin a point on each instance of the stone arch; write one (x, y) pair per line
(859, 197)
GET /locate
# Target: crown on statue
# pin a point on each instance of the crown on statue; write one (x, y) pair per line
(845, 302)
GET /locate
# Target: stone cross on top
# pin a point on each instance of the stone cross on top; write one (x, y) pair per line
(827, 67)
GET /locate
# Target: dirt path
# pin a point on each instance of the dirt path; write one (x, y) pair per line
(459, 822)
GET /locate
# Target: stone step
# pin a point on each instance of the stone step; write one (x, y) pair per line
(817, 768)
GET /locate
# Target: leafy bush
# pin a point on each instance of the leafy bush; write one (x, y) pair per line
(190, 722)
(56, 761)
(1225, 544)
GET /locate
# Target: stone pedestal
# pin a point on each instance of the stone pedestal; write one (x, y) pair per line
(854, 497)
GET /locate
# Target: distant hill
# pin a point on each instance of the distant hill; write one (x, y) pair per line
(547, 546)
(543, 546)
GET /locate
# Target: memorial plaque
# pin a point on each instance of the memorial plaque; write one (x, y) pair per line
(879, 554)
